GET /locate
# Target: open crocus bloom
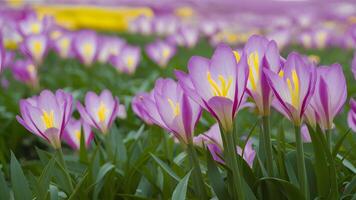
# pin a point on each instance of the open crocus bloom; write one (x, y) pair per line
(293, 87)
(63, 44)
(329, 95)
(212, 140)
(260, 54)
(127, 60)
(160, 52)
(218, 85)
(99, 111)
(109, 46)
(85, 46)
(351, 117)
(73, 132)
(25, 71)
(33, 25)
(46, 115)
(35, 46)
(168, 107)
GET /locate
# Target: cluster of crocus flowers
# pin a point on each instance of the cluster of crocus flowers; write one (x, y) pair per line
(63, 44)
(128, 59)
(217, 85)
(351, 117)
(26, 71)
(47, 115)
(160, 52)
(73, 132)
(33, 25)
(100, 111)
(213, 141)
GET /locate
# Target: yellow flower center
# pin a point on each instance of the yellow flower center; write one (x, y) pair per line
(253, 64)
(224, 87)
(130, 61)
(64, 44)
(55, 35)
(77, 134)
(175, 107)
(88, 49)
(48, 119)
(35, 28)
(37, 48)
(165, 52)
(31, 68)
(102, 112)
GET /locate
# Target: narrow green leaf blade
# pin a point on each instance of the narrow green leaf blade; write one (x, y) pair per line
(20, 185)
(180, 191)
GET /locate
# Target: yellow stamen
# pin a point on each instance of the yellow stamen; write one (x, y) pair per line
(281, 73)
(77, 134)
(294, 89)
(37, 48)
(64, 44)
(31, 68)
(48, 119)
(237, 56)
(175, 107)
(35, 28)
(88, 49)
(253, 63)
(130, 62)
(102, 112)
(55, 35)
(225, 86)
(165, 52)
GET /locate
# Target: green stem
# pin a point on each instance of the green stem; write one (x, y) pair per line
(62, 162)
(328, 139)
(230, 155)
(198, 181)
(301, 163)
(267, 145)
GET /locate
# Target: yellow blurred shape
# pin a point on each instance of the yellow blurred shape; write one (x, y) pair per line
(93, 17)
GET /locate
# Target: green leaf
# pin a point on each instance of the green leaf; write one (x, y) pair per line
(53, 190)
(339, 143)
(83, 154)
(290, 191)
(165, 167)
(78, 186)
(45, 178)
(20, 185)
(180, 191)
(105, 169)
(216, 179)
(4, 189)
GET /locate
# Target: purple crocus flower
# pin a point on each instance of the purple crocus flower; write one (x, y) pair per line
(128, 59)
(351, 117)
(261, 54)
(99, 111)
(353, 66)
(33, 25)
(293, 87)
(121, 112)
(109, 46)
(139, 108)
(36, 47)
(160, 52)
(46, 115)
(218, 85)
(63, 44)
(212, 140)
(25, 71)
(73, 131)
(85, 46)
(329, 96)
(142, 25)
(168, 107)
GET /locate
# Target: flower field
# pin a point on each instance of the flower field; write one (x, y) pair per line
(166, 104)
